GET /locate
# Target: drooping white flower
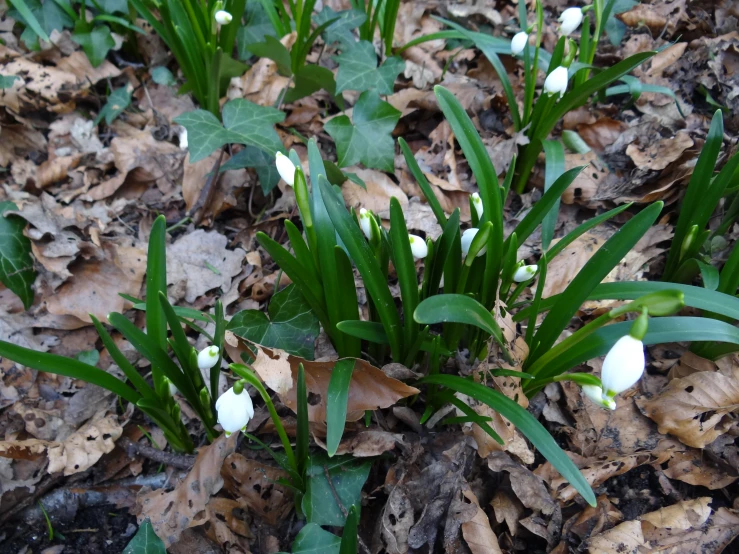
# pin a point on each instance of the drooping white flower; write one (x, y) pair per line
(556, 81)
(208, 357)
(172, 388)
(286, 168)
(519, 42)
(570, 20)
(223, 17)
(477, 203)
(418, 247)
(623, 366)
(524, 273)
(234, 410)
(595, 394)
(467, 238)
(364, 222)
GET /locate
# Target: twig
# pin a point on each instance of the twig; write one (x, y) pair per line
(206, 195)
(180, 461)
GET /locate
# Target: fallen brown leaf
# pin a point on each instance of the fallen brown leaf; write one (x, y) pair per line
(477, 532)
(658, 155)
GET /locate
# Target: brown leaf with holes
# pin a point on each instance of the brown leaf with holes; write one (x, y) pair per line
(697, 469)
(585, 186)
(186, 506)
(84, 447)
(696, 409)
(658, 155)
(370, 388)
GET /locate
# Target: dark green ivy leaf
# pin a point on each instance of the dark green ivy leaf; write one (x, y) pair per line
(16, 263)
(145, 541)
(6, 81)
(261, 161)
(340, 30)
(358, 70)
(118, 101)
(95, 43)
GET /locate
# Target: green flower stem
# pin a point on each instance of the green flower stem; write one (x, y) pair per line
(247, 374)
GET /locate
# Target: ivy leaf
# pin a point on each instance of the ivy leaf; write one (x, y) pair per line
(118, 101)
(163, 76)
(340, 30)
(113, 6)
(308, 80)
(358, 70)
(312, 540)
(257, 28)
(95, 43)
(145, 541)
(274, 50)
(368, 139)
(291, 325)
(16, 263)
(261, 161)
(6, 81)
(245, 123)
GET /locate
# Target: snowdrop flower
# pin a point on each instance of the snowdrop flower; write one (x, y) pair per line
(286, 168)
(208, 357)
(418, 247)
(477, 203)
(364, 222)
(570, 20)
(524, 273)
(172, 388)
(224, 18)
(519, 42)
(595, 394)
(182, 136)
(556, 82)
(467, 238)
(623, 366)
(234, 410)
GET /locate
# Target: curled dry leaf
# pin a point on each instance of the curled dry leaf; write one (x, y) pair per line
(366, 444)
(186, 506)
(370, 388)
(477, 532)
(528, 487)
(696, 409)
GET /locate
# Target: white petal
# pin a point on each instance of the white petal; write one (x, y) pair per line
(208, 357)
(477, 203)
(623, 366)
(467, 238)
(286, 168)
(556, 81)
(524, 273)
(418, 247)
(364, 222)
(518, 42)
(223, 17)
(234, 410)
(570, 19)
(596, 395)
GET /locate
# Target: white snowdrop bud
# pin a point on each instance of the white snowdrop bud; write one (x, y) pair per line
(208, 357)
(570, 20)
(418, 247)
(595, 394)
(234, 410)
(364, 222)
(182, 136)
(623, 366)
(477, 203)
(224, 18)
(286, 168)
(467, 238)
(172, 388)
(519, 42)
(556, 81)
(524, 273)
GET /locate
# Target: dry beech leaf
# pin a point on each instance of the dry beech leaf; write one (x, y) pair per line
(225, 527)
(83, 448)
(585, 186)
(380, 188)
(696, 409)
(255, 486)
(695, 468)
(477, 532)
(567, 264)
(658, 155)
(528, 487)
(186, 506)
(366, 444)
(593, 520)
(625, 538)
(370, 388)
(507, 508)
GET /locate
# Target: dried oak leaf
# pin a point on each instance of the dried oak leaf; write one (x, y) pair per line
(83, 448)
(369, 389)
(186, 506)
(696, 409)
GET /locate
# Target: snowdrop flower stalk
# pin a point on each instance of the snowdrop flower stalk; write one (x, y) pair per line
(418, 247)
(234, 408)
(223, 17)
(286, 168)
(556, 82)
(519, 42)
(570, 20)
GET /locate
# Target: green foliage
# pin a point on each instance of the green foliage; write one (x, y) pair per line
(336, 403)
(117, 102)
(145, 541)
(341, 25)
(262, 161)
(367, 138)
(243, 123)
(6, 81)
(16, 263)
(96, 43)
(163, 76)
(358, 70)
(291, 325)
(312, 540)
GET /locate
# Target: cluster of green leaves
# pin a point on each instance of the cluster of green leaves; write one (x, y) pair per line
(202, 48)
(41, 18)
(154, 399)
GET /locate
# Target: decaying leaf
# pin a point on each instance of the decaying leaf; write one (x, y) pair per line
(83, 448)
(370, 388)
(658, 155)
(477, 532)
(186, 506)
(696, 409)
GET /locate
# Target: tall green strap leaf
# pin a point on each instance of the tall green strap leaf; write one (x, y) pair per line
(524, 422)
(336, 403)
(351, 530)
(405, 267)
(156, 282)
(302, 440)
(346, 293)
(555, 166)
(583, 228)
(68, 367)
(590, 276)
(369, 268)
